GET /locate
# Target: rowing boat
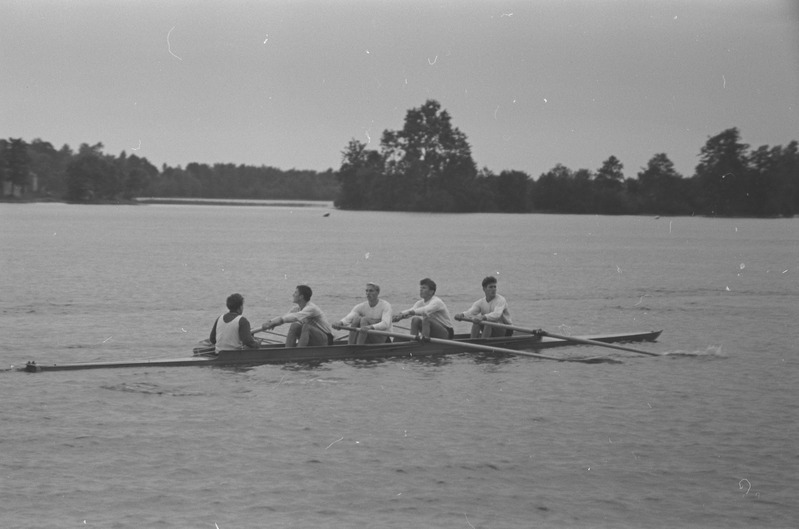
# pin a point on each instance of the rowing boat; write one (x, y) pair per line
(279, 354)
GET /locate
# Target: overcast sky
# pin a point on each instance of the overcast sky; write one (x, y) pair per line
(288, 83)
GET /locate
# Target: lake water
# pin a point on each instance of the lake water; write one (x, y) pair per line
(705, 436)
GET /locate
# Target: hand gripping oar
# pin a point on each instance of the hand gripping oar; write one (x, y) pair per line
(574, 339)
(484, 348)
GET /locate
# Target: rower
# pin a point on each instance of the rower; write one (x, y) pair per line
(309, 325)
(493, 308)
(430, 315)
(373, 314)
(232, 330)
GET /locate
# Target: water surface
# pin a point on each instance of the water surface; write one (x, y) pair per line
(702, 437)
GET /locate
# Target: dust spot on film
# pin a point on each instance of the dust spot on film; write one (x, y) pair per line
(169, 44)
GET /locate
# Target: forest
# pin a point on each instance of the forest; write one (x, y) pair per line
(425, 166)
(37, 170)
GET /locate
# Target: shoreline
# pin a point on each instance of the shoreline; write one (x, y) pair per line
(235, 202)
(179, 201)
(329, 204)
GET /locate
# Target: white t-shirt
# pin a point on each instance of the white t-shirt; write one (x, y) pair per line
(380, 312)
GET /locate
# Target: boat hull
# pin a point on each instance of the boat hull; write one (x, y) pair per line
(279, 354)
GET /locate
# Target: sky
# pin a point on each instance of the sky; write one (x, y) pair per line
(288, 84)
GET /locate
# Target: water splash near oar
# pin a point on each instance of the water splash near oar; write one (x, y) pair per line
(711, 351)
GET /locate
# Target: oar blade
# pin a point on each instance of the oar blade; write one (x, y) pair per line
(586, 341)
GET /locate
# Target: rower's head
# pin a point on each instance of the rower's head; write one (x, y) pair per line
(304, 292)
(372, 292)
(427, 288)
(490, 287)
(235, 302)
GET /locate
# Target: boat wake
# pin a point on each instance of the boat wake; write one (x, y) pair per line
(151, 389)
(711, 351)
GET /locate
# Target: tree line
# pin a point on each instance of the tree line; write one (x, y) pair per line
(37, 170)
(427, 166)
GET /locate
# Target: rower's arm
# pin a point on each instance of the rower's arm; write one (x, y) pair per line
(300, 316)
(499, 309)
(434, 305)
(473, 311)
(212, 337)
(385, 320)
(245, 334)
(347, 320)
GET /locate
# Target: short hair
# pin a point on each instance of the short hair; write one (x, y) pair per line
(305, 291)
(375, 285)
(429, 283)
(234, 302)
(489, 280)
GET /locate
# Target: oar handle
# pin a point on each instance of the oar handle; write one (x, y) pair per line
(380, 333)
(500, 325)
(261, 329)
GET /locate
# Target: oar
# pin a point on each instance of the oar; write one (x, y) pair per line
(269, 340)
(204, 349)
(487, 348)
(261, 329)
(574, 339)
